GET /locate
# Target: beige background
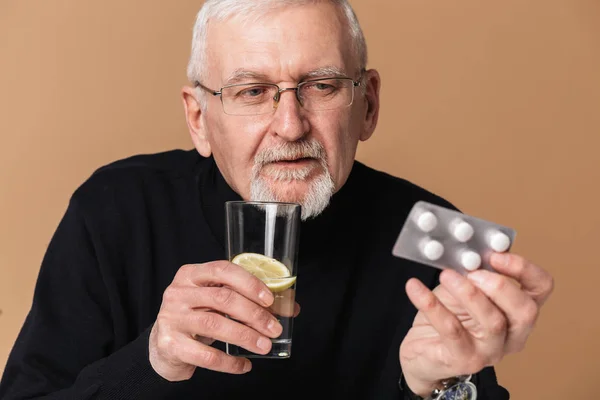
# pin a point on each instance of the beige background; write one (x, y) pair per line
(493, 105)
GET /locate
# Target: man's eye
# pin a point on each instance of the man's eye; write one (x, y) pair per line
(320, 87)
(254, 91)
(323, 86)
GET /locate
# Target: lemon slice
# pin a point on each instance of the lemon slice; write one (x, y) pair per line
(279, 284)
(273, 273)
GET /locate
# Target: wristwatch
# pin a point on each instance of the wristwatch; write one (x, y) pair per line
(456, 388)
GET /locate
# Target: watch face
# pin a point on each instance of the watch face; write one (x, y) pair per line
(461, 391)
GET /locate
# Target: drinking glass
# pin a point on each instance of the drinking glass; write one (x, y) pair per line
(263, 237)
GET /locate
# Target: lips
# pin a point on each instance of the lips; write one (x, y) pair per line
(290, 169)
(301, 162)
(295, 160)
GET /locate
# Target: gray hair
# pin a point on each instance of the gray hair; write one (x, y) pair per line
(220, 10)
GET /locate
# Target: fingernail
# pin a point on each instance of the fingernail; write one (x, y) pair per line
(480, 278)
(499, 259)
(247, 366)
(263, 343)
(266, 297)
(451, 277)
(274, 326)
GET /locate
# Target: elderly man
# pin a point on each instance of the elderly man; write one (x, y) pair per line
(133, 290)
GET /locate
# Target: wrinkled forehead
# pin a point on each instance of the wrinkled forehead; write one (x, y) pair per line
(286, 43)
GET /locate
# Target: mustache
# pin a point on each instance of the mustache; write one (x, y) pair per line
(291, 151)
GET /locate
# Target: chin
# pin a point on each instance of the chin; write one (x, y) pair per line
(293, 191)
(312, 193)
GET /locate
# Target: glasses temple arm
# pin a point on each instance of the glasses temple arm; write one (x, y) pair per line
(211, 91)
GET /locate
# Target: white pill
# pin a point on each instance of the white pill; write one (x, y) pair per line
(470, 260)
(463, 231)
(427, 221)
(433, 250)
(499, 242)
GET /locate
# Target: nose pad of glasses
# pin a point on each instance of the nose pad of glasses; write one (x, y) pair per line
(276, 100)
(277, 96)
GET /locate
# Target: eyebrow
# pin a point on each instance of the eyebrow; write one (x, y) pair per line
(242, 75)
(324, 72)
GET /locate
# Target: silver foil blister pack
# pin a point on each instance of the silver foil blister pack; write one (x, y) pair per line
(444, 238)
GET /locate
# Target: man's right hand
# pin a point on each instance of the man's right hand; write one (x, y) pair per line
(192, 317)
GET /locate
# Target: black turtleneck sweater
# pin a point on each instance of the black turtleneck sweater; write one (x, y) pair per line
(135, 222)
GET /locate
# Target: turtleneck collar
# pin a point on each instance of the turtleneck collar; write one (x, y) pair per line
(215, 191)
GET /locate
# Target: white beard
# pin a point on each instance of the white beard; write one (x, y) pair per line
(320, 190)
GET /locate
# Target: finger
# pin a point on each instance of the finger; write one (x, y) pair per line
(477, 304)
(535, 281)
(225, 300)
(520, 309)
(284, 305)
(214, 325)
(195, 353)
(491, 319)
(296, 309)
(232, 275)
(445, 323)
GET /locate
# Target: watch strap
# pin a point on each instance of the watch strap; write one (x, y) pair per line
(461, 387)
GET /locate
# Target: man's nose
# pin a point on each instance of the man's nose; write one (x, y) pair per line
(290, 123)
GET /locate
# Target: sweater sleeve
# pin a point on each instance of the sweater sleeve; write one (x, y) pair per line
(65, 349)
(485, 381)
(488, 387)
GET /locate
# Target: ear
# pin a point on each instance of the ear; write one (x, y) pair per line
(195, 123)
(373, 83)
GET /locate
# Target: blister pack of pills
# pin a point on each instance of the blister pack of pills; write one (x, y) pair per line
(444, 238)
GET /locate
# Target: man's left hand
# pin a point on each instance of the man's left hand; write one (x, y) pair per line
(469, 323)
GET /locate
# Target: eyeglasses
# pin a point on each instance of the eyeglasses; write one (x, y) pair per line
(263, 98)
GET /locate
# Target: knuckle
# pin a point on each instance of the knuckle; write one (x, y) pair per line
(254, 285)
(517, 262)
(170, 295)
(497, 283)
(238, 365)
(223, 296)
(261, 316)
(470, 293)
(498, 325)
(513, 259)
(209, 322)
(166, 343)
(430, 302)
(218, 269)
(209, 359)
(530, 312)
(246, 336)
(162, 321)
(185, 270)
